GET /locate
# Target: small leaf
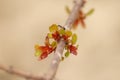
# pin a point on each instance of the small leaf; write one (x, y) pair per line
(62, 31)
(54, 44)
(53, 28)
(89, 12)
(68, 33)
(38, 53)
(67, 10)
(49, 35)
(67, 54)
(74, 38)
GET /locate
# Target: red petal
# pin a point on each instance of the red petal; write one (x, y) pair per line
(46, 49)
(81, 19)
(75, 23)
(65, 37)
(43, 48)
(56, 36)
(43, 56)
(73, 49)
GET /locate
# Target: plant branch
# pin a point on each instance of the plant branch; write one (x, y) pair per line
(26, 75)
(57, 55)
(60, 47)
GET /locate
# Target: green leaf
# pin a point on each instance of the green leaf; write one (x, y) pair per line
(67, 54)
(53, 28)
(74, 38)
(38, 53)
(89, 12)
(62, 31)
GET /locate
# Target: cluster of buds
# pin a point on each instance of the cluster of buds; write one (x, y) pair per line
(57, 33)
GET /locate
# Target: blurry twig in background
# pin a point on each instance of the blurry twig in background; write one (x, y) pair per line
(20, 73)
(57, 55)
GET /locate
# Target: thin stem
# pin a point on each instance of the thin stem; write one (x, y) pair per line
(26, 75)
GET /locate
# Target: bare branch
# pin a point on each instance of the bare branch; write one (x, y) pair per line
(57, 55)
(20, 73)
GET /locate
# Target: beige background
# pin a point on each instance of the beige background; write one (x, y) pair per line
(23, 23)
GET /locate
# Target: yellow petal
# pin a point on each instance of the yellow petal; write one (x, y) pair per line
(68, 33)
(53, 28)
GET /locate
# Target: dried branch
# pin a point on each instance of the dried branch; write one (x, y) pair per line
(57, 55)
(26, 75)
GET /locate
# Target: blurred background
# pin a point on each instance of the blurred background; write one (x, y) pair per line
(24, 23)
